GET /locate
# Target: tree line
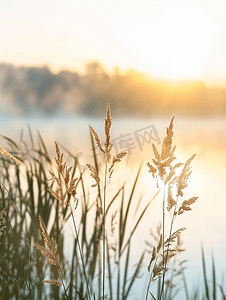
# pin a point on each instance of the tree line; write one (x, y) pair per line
(38, 89)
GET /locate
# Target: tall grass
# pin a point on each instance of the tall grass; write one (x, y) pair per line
(174, 179)
(39, 198)
(31, 197)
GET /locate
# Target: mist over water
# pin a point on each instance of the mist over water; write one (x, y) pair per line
(205, 137)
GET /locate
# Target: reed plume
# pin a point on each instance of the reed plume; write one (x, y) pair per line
(109, 160)
(50, 252)
(66, 185)
(10, 156)
(165, 170)
(1, 217)
(4, 152)
(106, 150)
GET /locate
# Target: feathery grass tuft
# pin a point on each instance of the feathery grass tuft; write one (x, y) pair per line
(65, 183)
(1, 217)
(107, 176)
(50, 253)
(10, 156)
(164, 169)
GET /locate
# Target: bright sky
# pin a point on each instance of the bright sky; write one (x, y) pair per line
(167, 39)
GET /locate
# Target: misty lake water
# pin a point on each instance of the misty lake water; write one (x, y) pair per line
(205, 137)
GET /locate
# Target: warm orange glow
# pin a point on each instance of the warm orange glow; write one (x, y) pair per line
(180, 68)
(174, 42)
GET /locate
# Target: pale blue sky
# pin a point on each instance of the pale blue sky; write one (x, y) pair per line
(167, 39)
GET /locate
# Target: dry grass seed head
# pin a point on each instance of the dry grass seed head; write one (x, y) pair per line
(170, 176)
(10, 156)
(171, 202)
(154, 254)
(185, 206)
(94, 175)
(153, 257)
(167, 142)
(163, 161)
(158, 239)
(115, 159)
(76, 202)
(45, 235)
(72, 187)
(63, 179)
(48, 254)
(183, 178)
(157, 155)
(107, 149)
(152, 170)
(168, 254)
(51, 252)
(96, 138)
(173, 236)
(1, 217)
(53, 282)
(59, 159)
(108, 143)
(107, 127)
(57, 195)
(157, 271)
(169, 284)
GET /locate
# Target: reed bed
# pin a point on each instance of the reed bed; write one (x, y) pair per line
(40, 196)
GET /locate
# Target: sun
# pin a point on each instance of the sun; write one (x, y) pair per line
(173, 42)
(178, 67)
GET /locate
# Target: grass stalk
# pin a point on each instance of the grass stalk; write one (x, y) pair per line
(62, 280)
(104, 223)
(214, 279)
(167, 251)
(207, 292)
(162, 295)
(163, 169)
(185, 286)
(80, 251)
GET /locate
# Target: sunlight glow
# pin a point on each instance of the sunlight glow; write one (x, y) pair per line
(179, 68)
(173, 42)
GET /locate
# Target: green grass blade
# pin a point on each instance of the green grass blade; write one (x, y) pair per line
(205, 275)
(96, 165)
(31, 136)
(128, 206)
(222, 292)
(135, 275)
(110, 278)
(139, 219)
(46, 154)
(80, 296)
(126, 270)
(185, 285)
(152, 295)
(214, 279)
